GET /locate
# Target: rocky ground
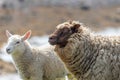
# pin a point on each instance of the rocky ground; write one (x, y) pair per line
(43, 20)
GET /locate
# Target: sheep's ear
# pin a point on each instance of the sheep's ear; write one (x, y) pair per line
(8, 34)
(75, 28)
(26, 35)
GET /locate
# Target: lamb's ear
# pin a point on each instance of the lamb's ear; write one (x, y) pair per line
(75, 27)
(26, 35)
(8, 34)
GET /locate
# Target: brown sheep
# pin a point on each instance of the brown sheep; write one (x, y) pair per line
(87, 55)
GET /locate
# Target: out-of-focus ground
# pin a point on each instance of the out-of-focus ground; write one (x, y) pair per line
(43, 16)
(43, 20)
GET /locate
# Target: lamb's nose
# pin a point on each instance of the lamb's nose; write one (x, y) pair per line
(7, 49)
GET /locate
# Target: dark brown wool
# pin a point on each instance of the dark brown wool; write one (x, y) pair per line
(89, 56)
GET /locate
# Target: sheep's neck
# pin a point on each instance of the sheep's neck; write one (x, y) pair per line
(78, 54)
(23, 62)
(62, 45)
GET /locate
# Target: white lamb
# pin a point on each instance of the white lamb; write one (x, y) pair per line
(34, 63)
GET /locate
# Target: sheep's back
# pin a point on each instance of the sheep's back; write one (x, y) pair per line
(52, 66)
(93, 57)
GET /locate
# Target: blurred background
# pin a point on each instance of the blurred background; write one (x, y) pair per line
(42, 16)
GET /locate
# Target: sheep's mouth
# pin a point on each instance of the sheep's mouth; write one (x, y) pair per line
(57, 42)
(63, 45)
(52, 41)
(10, 52)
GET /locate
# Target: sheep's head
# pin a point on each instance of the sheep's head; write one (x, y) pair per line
(63, 32)
(16, 43)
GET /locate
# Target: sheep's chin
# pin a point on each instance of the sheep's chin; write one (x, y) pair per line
(17, 52)
(10, 52)
(62, 45)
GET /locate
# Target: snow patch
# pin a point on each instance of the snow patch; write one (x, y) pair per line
(10, 77)
(110, 32)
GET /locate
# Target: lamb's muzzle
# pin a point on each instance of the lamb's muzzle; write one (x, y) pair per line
(8, 50)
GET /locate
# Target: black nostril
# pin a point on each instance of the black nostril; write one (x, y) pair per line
(51, 38)
(7, 50)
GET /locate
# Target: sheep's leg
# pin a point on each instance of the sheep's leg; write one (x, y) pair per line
(36, 78)
(66, 77)
(70, 77)
(40, 76)
(63, 78)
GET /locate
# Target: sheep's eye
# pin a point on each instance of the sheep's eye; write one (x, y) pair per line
(61, 33)
(17, 42)
(66, 30)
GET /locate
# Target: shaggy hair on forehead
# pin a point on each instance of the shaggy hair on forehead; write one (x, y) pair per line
(87, 55)
(68, 24)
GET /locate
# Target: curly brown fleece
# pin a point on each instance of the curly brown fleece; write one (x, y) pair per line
(91, 57)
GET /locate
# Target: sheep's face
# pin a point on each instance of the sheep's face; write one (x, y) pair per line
(62, 33)
(16, 43)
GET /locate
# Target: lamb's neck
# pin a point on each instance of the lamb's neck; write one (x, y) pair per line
(23, 61)
(27, 55)
(23, 54)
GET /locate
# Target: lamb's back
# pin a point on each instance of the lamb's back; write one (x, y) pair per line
(50, 63)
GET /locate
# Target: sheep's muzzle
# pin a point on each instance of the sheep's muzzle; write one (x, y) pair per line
(52, 39)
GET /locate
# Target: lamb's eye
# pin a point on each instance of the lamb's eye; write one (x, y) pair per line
(17, 42)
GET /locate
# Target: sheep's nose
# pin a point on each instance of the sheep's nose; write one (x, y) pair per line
(7, 49)
(52, 39)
